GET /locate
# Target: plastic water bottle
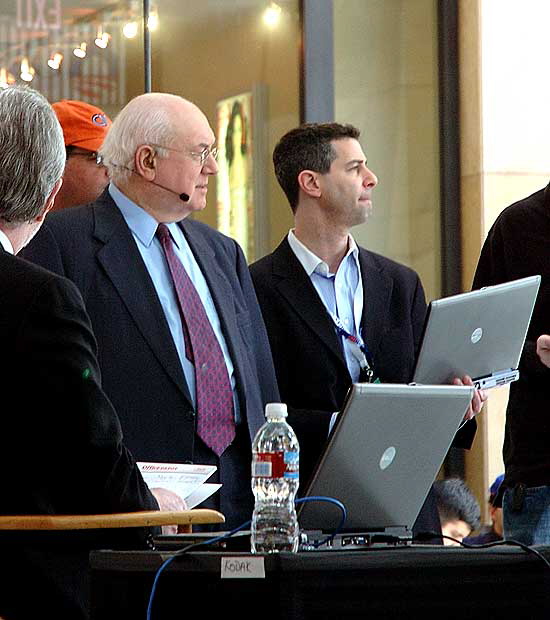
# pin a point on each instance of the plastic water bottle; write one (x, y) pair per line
(275, 477)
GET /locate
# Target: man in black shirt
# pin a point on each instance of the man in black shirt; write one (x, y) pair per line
(518, 245)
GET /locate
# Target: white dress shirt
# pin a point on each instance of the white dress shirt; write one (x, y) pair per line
(5, 242)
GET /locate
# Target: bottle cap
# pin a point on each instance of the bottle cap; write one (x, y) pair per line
(275, 410)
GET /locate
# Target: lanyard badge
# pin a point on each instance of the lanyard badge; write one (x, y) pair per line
(359, 351)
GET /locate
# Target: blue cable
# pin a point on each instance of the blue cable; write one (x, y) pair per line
(209, 541)
(331, 500)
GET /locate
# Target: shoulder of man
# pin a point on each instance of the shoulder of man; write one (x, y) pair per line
(29, 280)
(518, 211)
(388, 265)
(199, 231)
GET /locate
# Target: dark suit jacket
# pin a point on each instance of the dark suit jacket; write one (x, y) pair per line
(311, 369)
(61, 448)
(142, 374)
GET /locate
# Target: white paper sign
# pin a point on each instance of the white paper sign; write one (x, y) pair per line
(187, 480)
(243, 567)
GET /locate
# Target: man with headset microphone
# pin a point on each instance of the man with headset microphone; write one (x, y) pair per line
(182, 345)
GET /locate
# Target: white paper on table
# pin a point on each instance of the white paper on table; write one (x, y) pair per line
(187, 480)
(201, 493)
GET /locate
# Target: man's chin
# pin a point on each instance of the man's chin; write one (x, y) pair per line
(196, 205)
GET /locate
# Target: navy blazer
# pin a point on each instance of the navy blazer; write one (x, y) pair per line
(61, 445)
(309, 360)
(142, 374)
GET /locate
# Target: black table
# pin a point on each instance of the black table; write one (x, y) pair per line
(396, 582)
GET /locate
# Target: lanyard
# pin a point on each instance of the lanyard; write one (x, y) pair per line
(358, 349)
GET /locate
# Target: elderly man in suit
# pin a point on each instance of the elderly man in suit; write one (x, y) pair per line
(61, 449)
(335, 313)
(182, 345)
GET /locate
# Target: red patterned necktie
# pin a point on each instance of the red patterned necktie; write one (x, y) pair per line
(215, 418)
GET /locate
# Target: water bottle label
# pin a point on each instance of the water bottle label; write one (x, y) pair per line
(275, 465)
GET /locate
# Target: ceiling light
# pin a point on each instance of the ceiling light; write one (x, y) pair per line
(130, 30)
(272, 15)
(153, 21)
(102, 39)
(55, 61)
(27, 72)
(6, 78)
(80, 51)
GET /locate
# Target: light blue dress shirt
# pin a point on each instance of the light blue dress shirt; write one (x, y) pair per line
(143, 227)
(340, 292)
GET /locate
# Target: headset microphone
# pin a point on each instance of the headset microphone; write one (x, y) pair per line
(183, 196)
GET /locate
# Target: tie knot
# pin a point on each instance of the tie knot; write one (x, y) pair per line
(163, 233)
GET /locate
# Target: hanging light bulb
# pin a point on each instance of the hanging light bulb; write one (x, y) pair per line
(102, 39)
(272, 15)
(130, 29)
(55, 60)
(80, 51)
(153, 21)
(6, 78)
(27, 72)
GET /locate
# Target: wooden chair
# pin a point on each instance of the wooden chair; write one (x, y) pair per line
(145, 518)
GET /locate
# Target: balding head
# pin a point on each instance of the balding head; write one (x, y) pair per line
(152, 118)
(159, 154)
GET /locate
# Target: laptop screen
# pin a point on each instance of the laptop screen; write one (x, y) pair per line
(383, 454)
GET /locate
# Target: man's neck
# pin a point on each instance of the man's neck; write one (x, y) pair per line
(18, 235)
(139, 193)
(328, 243)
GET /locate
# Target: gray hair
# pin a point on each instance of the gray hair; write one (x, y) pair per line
(144, 120)
(32, 156)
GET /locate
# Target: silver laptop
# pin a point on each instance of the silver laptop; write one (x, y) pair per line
(480, 334)
(382, 456)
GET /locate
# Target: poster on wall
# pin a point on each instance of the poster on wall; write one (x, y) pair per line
(235, 179)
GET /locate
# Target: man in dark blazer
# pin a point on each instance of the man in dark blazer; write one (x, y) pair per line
(61, 449)
(334, 311)
(160, 157)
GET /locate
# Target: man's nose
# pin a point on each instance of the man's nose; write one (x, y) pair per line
(370, 179)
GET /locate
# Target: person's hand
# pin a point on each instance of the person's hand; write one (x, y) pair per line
(169, 501)
(543, 349)
(479, 397)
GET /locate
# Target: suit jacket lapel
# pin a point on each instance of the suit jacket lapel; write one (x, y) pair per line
(122, 262)
(295, 285)
(377, 291)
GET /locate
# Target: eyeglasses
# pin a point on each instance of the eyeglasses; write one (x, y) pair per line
(92, 156)
(200, 156)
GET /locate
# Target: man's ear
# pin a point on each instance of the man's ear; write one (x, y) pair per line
(50, 201)
(308, 181)
(145, 162)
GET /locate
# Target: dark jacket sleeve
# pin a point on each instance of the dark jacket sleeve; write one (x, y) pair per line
(43, 250)
(74, 427)
(261, 349)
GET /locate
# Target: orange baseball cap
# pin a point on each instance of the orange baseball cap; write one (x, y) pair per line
(83, 124)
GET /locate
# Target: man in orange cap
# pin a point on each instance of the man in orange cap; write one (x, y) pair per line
(84, 129)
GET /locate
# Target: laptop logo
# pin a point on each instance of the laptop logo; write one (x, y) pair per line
(476, 335)
(387, 458)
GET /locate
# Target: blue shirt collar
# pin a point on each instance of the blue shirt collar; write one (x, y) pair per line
(142, 224)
